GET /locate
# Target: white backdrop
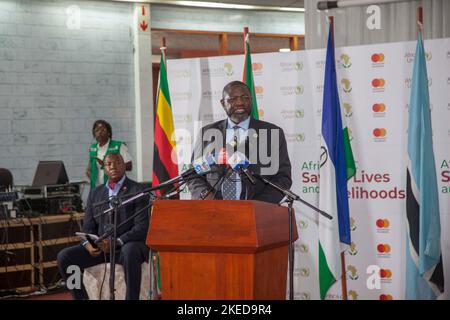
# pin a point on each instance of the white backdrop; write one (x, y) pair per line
(374, 85)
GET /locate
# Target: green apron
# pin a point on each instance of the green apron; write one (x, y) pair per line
(113, 148)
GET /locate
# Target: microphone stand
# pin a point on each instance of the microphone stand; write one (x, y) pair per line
(115, 203)
(290, 198)
(218, 183)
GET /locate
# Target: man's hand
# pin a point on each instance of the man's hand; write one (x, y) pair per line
(100, 162)
(92, 251)
(104, 245)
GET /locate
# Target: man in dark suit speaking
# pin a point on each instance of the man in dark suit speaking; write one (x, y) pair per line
(262, 143)
(131, 248)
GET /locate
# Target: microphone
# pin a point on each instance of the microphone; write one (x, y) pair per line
(240, 163)
(221, 160)
(200, 166)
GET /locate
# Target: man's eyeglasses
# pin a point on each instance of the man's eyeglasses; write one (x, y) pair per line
(232, 100)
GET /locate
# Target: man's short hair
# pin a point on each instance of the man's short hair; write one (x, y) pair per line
(228, 87)
(115, 154)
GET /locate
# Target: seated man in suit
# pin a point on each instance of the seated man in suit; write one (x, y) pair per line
(262, 143)
(131, 248)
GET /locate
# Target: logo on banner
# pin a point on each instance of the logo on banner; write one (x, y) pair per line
(386, 297)
(303, 248)
(209, 117)
(183, 73)
(348, 112)
(352, 250)
(384, 250)
(291, 66)
(186, 140)
(228, 67)
(305, 295)
(377, 60)
(182, 118)
(379, 134)
(225, 70)
(319, 88)
(293, 114)
(383, 225)
(319, 112)
(181, 96)
(409, 56)
(408, 82)
(304, 272)
(346, 85)
(352, 224)
(353, 295)
(320, 64)
(379, 110)
(257, 68)
(215, 95)
(344, 61)
(292, 90)
(352, 272)
(295, 137)
(303, 224)
(385, 275)
(378, 84)
(259, 90)
(261, 112)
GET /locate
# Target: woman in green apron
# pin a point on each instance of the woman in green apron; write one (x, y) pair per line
(102, 132)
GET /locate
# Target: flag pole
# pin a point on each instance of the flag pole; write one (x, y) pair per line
(245, 36)
(163, 47)
(344, 274)
(419, 17)
(245, 52)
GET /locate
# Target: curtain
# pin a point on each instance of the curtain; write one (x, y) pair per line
(398, 23)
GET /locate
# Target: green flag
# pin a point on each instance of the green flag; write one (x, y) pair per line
(248, 77)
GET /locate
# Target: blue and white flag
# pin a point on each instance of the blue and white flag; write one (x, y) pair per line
(424, 273)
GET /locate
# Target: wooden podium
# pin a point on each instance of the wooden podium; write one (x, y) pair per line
(221, 249)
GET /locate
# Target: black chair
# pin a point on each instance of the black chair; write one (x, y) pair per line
(6, 179)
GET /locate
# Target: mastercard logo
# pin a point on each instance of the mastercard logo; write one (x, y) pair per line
(257, 66)
(259, 89)
(261, 112)
(379, 107)
(383, 223)
(385, 273)
(378, 83)
(386, 297)
(377, 57)
(379, 132)
(383, 248)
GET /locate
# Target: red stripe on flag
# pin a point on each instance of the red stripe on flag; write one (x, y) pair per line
(165, 149)
(155, 182)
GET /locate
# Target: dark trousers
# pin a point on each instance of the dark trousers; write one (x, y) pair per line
(131, 255)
